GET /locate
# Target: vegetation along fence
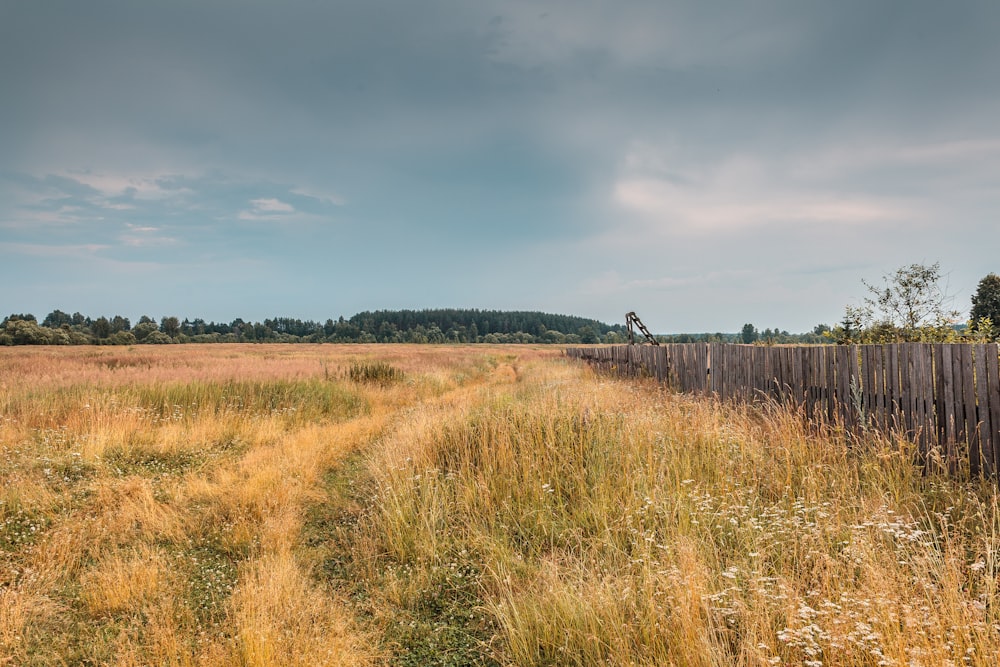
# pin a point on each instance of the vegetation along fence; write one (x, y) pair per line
(944, 396)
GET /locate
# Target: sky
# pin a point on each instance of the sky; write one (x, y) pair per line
(704, 164)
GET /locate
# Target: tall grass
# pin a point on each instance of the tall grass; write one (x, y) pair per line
(255, 505)
(610, 523)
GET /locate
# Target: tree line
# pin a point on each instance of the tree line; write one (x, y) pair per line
(382, 326)
(910, 305)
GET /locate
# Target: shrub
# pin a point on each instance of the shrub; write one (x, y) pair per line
(374, 372)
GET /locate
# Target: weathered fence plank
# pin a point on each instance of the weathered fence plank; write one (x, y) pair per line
(970, 427)
(993, 382)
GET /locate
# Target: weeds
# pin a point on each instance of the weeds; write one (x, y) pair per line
(374, 372)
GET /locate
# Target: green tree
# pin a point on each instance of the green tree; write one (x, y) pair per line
(170, 326)
(101, 328)
(909, 305)
(986, 303)
(749, 333)
(56, 319)
(143, 329)
(119, 323)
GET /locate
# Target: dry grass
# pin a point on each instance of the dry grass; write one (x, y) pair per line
(258, 505)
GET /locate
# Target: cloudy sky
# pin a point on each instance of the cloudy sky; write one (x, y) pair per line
(705, 164)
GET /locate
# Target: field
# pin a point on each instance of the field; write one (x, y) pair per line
(446, 505)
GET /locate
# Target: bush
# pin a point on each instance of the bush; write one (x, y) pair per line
(122, 338)
(156, 338)
(27, 332)
(374, 372)
(143, 329)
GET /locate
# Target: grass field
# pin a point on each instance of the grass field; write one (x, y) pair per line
(420, 505)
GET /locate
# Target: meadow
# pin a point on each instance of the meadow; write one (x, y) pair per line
(461, 505)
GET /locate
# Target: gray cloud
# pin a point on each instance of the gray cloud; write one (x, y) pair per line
(540, 147)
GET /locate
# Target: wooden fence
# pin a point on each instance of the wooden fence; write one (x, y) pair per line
(936, 395)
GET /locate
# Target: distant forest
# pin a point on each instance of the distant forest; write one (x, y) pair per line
(381, 326)
(448, 325)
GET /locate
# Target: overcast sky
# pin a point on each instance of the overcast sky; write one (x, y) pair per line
(704, 164)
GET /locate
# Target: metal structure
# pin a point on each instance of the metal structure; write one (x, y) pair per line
(633, 322)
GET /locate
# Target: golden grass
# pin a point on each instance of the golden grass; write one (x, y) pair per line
(604, 522)
(123, 582)
(152, 501)
(256, 505)
(280, 617)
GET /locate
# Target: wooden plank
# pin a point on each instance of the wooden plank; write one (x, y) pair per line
(732, 372)
(796, 363)
(907, 354)
(893, 409)
(746, 372)
(774, 363)
(906, 391)
(731, 352)
(817, 382)
(867, 375)
(927, 409)
(743, 356)
(737, 358)
(785, 359)
(722, 368)
(983, 422)
(741, 353)
(767, 354)
(970, 423)
(993, 382)
(691, 352)
(891, 370)
(820, 383)
(855, 389)
(801, 354)
(811, 386)
(697, 379)
(865, 383)
(799, 370)
(842, 354)
(682, 370)
(844, 385)
(706, 388)
(878, 392)
(830, 374)
(693, 360)
(937, 377)
(776, 376)
(709, 363)
(914, 353)
(699, 368)
(718, 368)
(947, 401)
(793, 378)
